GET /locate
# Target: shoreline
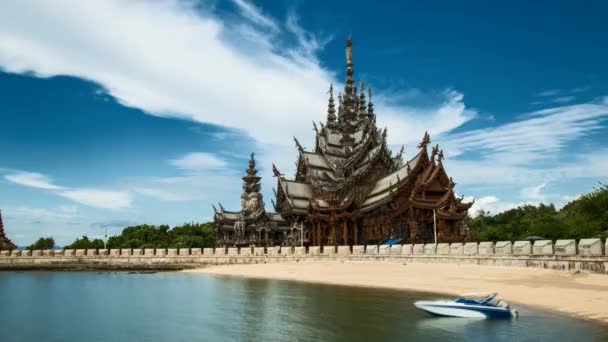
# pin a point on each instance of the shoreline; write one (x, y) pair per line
(580, 295)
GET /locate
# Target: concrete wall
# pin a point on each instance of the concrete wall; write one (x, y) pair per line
(457, 248)
(407, 249)
(343, 250)
(396, 249)
(503, 248)
(565, 247)
(316, 250)
(329, 250)
(486, 248)
(151, 260)
(443, 248)
(359, 249)
(542, 247)
(588, 255)
(591, 247)
(430, 248)
(371, 249)
(384, 249)
(471, 248)
(522, 248)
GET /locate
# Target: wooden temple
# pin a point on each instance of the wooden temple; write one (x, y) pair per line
(5, 243)
(350, 189)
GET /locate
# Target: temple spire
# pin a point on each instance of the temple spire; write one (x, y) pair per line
(331, 107)
(298, 145)
(362, 104)
(350, 81)
(2, 236)
(5, 243)
(251, 199)
(349, 105)
(251, 181)
(426, 139)
(370, 104)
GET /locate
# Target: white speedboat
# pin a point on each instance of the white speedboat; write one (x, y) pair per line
(471, 305)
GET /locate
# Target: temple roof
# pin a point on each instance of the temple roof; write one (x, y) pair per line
(382, 189)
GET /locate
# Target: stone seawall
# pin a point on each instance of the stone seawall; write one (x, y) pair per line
(588, 256)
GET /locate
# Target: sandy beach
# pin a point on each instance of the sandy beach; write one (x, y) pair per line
(578, 294)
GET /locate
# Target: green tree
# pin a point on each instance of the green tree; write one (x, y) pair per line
(42, 243)
(85, 243)
(188, 235)
(584, 217)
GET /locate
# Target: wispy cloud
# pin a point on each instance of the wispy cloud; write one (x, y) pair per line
(201, 176)
(494, 205)
(100, 198)
(255, 15)
(536, 134)
(171, 58)
(88, 196)
(563, 99)
(33, 180)
(174, 59)
(550, 92)
(198, 161)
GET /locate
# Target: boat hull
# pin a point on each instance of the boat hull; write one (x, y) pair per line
(452, 309)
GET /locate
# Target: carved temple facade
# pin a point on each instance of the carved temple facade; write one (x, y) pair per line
(350, 189)
(5, 243)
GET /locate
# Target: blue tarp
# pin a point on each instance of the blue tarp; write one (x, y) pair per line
(392, 242)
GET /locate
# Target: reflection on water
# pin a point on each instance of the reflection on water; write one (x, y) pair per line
(185, 307)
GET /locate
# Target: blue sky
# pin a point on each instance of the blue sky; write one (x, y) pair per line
(124, 112)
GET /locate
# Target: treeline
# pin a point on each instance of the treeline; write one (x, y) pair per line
(189, 235)
(584, 217)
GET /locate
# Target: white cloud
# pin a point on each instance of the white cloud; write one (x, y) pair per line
(100, 198)
(563, 99)
(493, 205)
(536, 134)
(196, 161)
(172, 59)
(406, 125)
(534, 192)
(202, 176)
(92, 197)
(254, 14)
(33, 180)
(37, 214)
(550, 92)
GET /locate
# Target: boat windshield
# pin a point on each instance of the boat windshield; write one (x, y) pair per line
(477, 298)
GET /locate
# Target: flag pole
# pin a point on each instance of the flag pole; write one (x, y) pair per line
(435, 227)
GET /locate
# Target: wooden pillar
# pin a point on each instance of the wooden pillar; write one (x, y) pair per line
(319, 238)
(356, 232)
(345, 237)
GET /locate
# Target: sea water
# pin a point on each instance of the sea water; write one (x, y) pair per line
(65, 306)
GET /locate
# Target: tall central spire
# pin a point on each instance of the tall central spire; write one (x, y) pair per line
(350, 91)
(350, 81)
